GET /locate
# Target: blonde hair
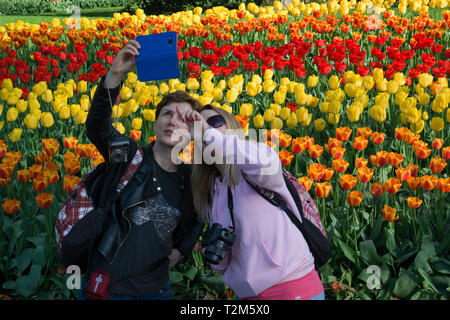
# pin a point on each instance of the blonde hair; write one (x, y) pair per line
(204, 175)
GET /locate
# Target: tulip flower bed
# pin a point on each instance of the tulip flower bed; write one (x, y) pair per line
(355, 97)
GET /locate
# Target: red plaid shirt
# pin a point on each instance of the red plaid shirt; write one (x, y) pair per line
(74, 209)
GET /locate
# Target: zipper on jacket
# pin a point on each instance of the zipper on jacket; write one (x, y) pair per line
(129, 224)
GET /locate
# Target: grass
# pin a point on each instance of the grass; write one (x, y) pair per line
(96, 13)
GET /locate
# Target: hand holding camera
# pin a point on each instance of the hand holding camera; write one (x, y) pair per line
(123, 63)
(216, 242)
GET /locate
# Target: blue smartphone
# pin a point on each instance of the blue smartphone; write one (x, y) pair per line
(157, 58)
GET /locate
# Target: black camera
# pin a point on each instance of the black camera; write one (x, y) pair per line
(217, 240)
(118, 150)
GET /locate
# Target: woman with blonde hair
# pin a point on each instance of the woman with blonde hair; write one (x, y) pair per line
(269, 258)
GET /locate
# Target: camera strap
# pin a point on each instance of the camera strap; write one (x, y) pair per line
(116, 116)
(230, 206)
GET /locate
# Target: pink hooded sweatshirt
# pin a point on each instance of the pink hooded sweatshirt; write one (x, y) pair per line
(269, 249)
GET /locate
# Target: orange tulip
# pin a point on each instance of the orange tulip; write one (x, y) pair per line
(36, 170)
(327, 174)
(243, 120)
(348, 181)
(72, 166)
(400, 133)
(6, 170)
(437, 164)
(364, 132)
(413, 169)
(285, 140)
(340, 165)
(423, 153)
(429, 182)
(437, 143)
(51, 146)
(332, 143)
(43, 157)
(70, 143)
(51, 165)
(316, 171)
(285, 157)
(44, 200)
(70, 182)
(446, 153)
(414, 202)
(4, 182)
(135, 134)
(382, 158)
(365, 174)
(337, 152)
(151, 139)
(402, 174)
(411, 137)
(52, 176)
(395, 159)
(389, 213)
(323, 189)
(361, 162)
(444, 185)
(315, 151)
(343, 133)
(377, 189)
(414, 183)
(40, 183)
(298, 145)
(23, 176)
(377, 137)
(354, 198)
(11, 206)
(360, 143)
(306, 182)
(392, 185)
(3, 148)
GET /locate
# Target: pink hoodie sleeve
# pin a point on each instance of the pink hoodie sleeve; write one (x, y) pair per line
(257, 160)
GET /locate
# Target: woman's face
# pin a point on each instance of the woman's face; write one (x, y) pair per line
(214, 119)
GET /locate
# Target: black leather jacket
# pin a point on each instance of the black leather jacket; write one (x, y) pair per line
(140, 187)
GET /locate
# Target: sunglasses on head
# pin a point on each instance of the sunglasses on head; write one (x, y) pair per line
(216, 121)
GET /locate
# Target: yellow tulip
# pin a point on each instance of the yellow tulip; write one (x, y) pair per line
(136, 124)
(246, 109)
(333, 82)
(31, 121)
(334, 107)
(333, 118)
(180, 87)
(400, 78)
(312, 81)
(400, 97)
(82, 86)
(276, 123)
(437, 124)
(222, 85)
(64, 112)
(12, 114)
(258, 121)
(192, 84)
(207, 74)
(319, 124)
(378, 113)
(443, 82)
(7, 84)
(425, 79)
(424, 98)
(279, 97)
(253, 89)
(132, 78)
(350, 89)
(47, 96)
(382, 85)
(12, 99)
(349, 76)
(149, 114)
(81, 117)
(94, 88)
(256, 78)
(368, 82)
(207, 85)
(269, 85)
(232, 95)
(163, 88)
(217, 94)
(276, 108)
(120, 127)
(268, 74)
(440, 102)
(15, 134)
(47, 119)
(392, 87)
(269, 115)
(353, 112)
(378, 75)
(1, 109)
(448, 115)
(418, 126)
(284, 113)
(75, 108)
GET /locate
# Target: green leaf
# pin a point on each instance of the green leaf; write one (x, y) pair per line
(28, 284)
(39, 255)
(175, 277)
(391, 244)
(348, 252)
(191, 273)
(423, 295)
(404, 285)
(369, 252)
(376, 228)
(428, 246)
(428, 279)
(406, 255)
(421, 261)
(442, 266)
(25, 259)
(9, 285)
